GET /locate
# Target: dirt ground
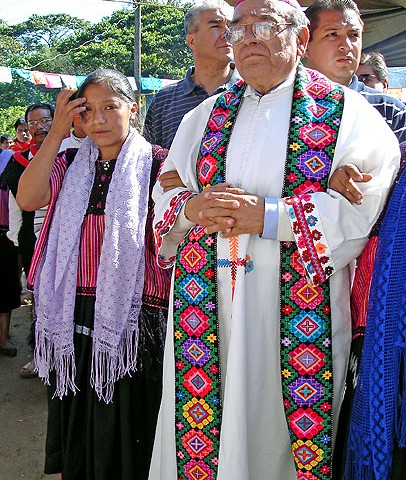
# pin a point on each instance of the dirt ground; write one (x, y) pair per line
(23, 410)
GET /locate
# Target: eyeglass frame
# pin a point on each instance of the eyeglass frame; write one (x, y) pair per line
(366, 76)
(245, 25)
(42, 121)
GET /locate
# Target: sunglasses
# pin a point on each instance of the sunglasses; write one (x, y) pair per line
(365, 77)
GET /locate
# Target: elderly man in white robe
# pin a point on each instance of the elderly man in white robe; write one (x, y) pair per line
(259, 328)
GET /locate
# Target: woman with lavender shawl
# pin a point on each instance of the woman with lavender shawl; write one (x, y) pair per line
(101, 301)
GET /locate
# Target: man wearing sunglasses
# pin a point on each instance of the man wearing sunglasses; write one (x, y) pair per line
(259, 327)
(373, 72)
(334, 49)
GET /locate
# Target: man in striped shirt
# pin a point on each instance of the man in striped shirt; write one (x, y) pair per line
(334, 49)
(213, 72)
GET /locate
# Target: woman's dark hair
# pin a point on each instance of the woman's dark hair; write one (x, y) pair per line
(115, 81)
(5, 137)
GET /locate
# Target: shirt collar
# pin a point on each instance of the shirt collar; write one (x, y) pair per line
(285, 84)
(356, 85)
(189, 85)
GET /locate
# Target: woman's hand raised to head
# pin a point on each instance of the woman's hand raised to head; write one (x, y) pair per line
(66, 109)
(34, 190)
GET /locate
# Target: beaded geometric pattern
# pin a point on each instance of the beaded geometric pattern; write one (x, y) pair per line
(306, 350)
(306, 356)
(196, 337)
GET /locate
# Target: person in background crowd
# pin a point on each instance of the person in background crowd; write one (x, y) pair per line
(6, 141)
(100, 298)
(253, 375)
(334, 49)
(23, 136)
(213, 71)
(10, 287)
(75, 137)
(39, 118)
(373, 72)
(23, 224)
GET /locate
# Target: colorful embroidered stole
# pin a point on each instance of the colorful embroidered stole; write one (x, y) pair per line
(306, 347)
(306, 356)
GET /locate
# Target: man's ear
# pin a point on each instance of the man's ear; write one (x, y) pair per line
(134, 107)
(305, 55)
(190, 40)
(302, 41)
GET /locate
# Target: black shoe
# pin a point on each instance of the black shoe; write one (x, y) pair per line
(8, 351)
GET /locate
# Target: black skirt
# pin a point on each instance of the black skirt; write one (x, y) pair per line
(10, 285)
(88, 439)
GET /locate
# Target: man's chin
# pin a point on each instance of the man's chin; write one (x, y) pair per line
(38, 139)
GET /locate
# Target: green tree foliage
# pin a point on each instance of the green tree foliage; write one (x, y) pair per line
(49, 30)
(67, 45)
(110, 43)
(8, 116)
(164, 50)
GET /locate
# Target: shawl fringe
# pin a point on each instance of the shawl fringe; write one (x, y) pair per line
(108, 368)
(64, 365)
(120, 278)
(360, 471)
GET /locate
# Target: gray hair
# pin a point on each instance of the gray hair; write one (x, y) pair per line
(298, 19)
(193, 15)
(377, 62)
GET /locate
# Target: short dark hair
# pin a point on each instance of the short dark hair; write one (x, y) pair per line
(37, 106)
(377, 62)
(5, 137)
(18, 122)
(319, 6)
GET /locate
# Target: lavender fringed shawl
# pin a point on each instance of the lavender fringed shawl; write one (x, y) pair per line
(120, 275)
(378, 420)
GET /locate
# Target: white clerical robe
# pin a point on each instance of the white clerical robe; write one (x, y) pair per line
(255, 442)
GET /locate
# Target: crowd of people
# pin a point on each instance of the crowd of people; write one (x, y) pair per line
(222, 295)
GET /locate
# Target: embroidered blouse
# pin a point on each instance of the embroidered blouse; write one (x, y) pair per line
(157, 280)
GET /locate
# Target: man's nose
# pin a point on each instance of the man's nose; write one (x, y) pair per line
(345, 44)
(249, 36)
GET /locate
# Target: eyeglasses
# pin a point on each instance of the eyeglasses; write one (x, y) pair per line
(262, 31)
(43, 121)
(365, 77)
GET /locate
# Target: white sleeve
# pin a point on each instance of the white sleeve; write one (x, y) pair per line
(15, 219)
(326, 226)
